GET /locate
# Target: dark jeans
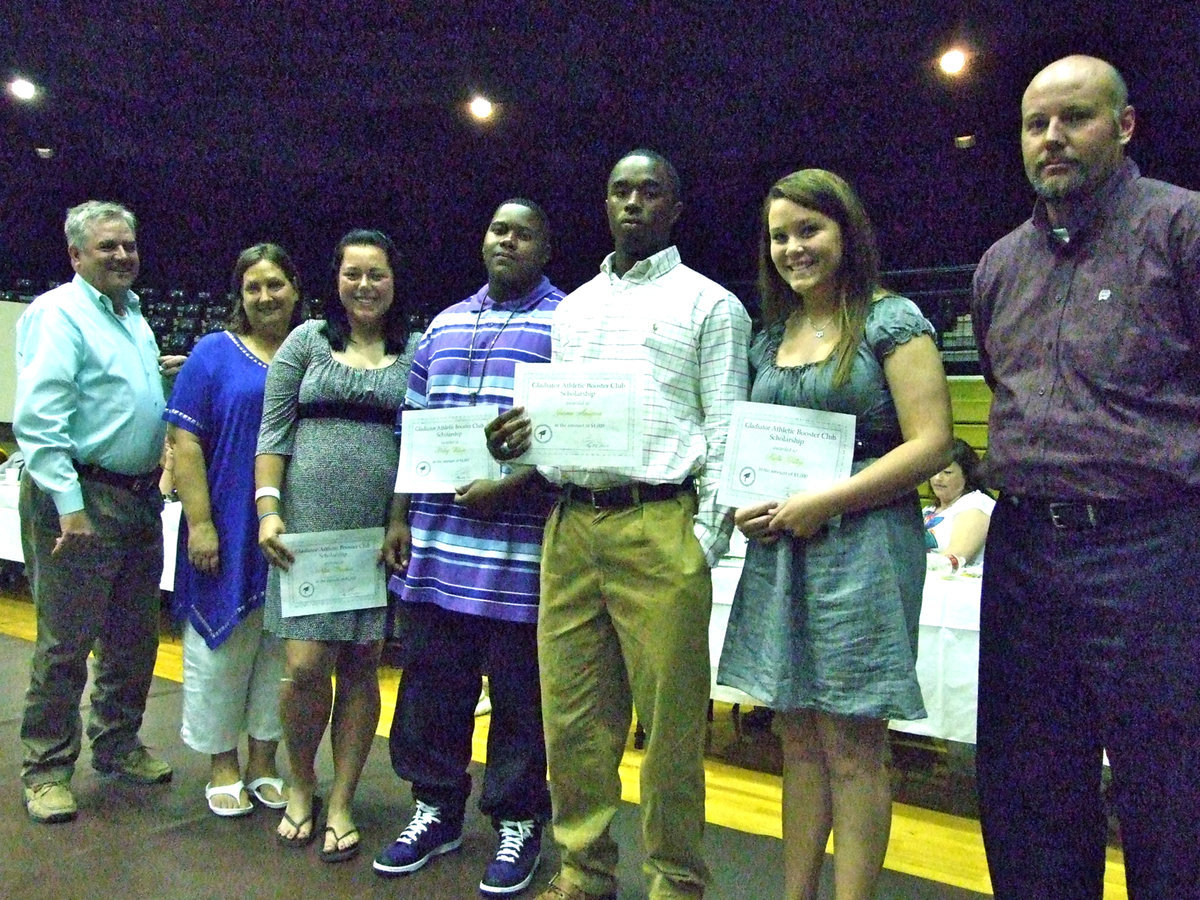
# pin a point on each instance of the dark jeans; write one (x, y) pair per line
(102, 597)
(444, 655)
(1090, 641)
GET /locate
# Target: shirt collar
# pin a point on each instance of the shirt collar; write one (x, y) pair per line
(644, 270)
(1080, 216)
(131, 299)
(482, 300)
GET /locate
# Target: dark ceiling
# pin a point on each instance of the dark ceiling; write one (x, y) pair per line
(224, 124)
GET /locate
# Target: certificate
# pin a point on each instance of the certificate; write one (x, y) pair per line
(582, 415)
(333, 571)
(775, 451)
(443, 449)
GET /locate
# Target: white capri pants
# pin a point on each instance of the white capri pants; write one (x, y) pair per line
(232, 690)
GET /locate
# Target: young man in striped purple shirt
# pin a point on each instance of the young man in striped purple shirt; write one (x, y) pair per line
(467, 575)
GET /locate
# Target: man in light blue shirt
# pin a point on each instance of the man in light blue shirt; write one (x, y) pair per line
(88, 418)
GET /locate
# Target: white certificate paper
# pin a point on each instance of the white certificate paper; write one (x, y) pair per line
(443, 449)
(775, 451)
(582, 415)
(334, 571)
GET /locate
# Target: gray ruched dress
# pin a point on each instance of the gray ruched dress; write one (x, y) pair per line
(830, 623)
(340, 472)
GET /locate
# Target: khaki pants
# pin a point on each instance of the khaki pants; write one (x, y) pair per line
(625, 602)
(103, 597)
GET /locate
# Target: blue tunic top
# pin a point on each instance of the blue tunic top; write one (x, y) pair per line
(461, 561)
(218, 397)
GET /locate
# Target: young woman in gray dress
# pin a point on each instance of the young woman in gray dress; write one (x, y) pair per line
(824, 621)
(327, 458)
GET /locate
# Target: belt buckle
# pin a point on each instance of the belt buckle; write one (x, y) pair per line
(1057, 519)
(1061, 515)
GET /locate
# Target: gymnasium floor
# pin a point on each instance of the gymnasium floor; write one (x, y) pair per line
(161, 842)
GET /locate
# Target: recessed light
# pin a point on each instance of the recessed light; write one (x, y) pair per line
(481, 108)
(953, 61)
(22, 89)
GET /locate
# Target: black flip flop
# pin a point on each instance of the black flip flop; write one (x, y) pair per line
(299, 843)
(339, 855)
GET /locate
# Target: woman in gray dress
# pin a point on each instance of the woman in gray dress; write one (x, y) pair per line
(327, 458)
(824, 621)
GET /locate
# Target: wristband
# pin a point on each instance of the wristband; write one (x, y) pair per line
(954, 562)
(264, 515)
(266, 492)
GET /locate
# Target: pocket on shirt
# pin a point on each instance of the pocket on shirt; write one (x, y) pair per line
(1136, 343)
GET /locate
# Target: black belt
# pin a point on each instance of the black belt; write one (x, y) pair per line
(1075, 515)
(137, 484)
(626, 495)
(354, 412)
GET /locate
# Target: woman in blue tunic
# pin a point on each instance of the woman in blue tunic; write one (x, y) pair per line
(824, 621)
(231, 666)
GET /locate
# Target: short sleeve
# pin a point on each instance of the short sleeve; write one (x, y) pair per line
(894, 321)
(417, 390)
(978, 500)
(764, 347)
(281, 399)
(190, 406)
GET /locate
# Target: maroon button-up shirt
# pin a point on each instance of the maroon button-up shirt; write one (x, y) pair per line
(1092, 347)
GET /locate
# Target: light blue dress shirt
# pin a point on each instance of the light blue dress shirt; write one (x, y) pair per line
(88, 389)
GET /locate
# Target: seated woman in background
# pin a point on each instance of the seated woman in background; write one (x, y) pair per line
(231, 667)
(959, 520)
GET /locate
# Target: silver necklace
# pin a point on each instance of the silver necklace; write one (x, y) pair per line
(474, 395)
(819, 331)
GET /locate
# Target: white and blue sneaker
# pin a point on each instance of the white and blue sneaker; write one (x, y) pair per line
(516, 860)
(425, 837)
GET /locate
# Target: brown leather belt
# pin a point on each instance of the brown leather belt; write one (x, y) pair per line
(626, 495)
(137, 484)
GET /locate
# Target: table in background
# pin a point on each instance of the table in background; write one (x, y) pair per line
(947, 659)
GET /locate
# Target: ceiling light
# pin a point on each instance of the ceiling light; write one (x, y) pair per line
(964, 141)
(953, 61)
(481, 108)
(44, 152)
(22, 89)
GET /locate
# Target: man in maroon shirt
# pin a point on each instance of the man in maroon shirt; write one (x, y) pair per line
(1087, 318)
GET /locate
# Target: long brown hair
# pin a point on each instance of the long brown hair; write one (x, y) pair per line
(858, 275)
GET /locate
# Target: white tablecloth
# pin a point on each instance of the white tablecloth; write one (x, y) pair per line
(947, 660)
(947, 655)
(10, 532)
